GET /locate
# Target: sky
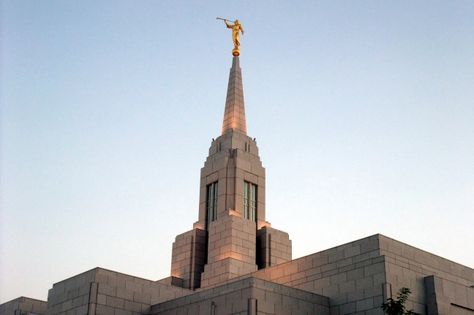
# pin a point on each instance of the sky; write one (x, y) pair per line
(363, 112)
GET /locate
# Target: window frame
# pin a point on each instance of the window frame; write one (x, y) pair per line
(211, 202)
(250, 200)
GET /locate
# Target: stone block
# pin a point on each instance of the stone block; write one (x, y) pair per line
(104, 310)
(374, 269)
(131, 285)
(114, 302)
(355, 274)
(124, 293)
(142, 298)
(133, 306)
(348, 308)
(365, 304)
(123, 312)
(364, 283)
(101, 299)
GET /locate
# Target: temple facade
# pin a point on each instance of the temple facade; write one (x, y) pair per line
(232, 261)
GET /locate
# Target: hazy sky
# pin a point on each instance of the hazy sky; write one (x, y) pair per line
(363, 112)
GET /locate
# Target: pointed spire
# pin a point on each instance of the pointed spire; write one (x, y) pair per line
(234, 115)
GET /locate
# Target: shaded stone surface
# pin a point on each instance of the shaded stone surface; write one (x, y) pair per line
(23, 306)
(247, 296)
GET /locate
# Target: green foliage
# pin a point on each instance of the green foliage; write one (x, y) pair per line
(397, 306)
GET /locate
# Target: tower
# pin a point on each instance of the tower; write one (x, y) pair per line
(231, 237)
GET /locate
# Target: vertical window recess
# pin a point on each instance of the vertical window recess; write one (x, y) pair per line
(211, 202)
(250, 201)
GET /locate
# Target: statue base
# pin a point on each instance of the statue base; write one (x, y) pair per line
(235, 52)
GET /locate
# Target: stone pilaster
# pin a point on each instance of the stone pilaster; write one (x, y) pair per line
(273, 247)
(188, 257)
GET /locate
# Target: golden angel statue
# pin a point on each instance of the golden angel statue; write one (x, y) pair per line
(236, 30)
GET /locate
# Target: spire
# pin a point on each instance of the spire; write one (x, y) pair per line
(234, 115)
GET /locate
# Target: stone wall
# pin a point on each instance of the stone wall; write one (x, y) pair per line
(246, 296)
(23, 306)
(231, 251)
(354, 278)
(104, 292)
(445, 297)
(71, 296)
(273, 247)
(188, 257)
(359, 276)
(408, 266)
(351, 275)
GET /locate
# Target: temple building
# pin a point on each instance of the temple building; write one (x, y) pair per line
(233, 261)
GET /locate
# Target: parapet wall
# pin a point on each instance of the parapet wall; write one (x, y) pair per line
(247, 296)
(352, 276)
(23, 306)
(105, 292)
(359, 276)
(410, 267)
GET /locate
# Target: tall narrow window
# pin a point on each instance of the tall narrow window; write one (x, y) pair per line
(250, 201)
(211, 202)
